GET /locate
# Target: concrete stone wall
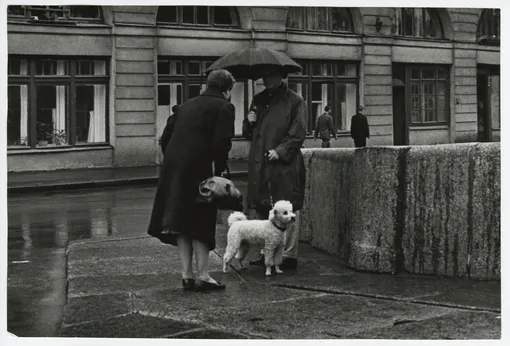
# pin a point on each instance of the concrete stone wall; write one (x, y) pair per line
(424, 209)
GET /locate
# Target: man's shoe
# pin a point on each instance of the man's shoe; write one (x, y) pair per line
(188, 284)
(289, 263)
(261, 261)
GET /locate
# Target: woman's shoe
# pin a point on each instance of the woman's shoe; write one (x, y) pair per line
(188, 284)
(201, 286)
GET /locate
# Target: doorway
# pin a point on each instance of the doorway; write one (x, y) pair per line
(488, 98)
(400, 123)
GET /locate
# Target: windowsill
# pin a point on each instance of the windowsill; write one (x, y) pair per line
(200, 27)
(56, 149)
(323, 33)
(428, 127)
(91, 24)
(423, 39)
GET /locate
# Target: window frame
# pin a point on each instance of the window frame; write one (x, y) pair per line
(335, 79)
(70, 80)
(210, 13)
(447, 109)
(432, 13)
(65, 19)
(304, 21)
(489, 20)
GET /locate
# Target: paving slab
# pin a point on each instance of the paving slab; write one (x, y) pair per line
(96, 308)
(87, 286)
(128, 326)
(194, 306)
(458, 325)
(472, 294)
(205, 333)
(314, 318)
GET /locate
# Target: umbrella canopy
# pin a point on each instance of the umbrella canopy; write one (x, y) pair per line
(252, 62)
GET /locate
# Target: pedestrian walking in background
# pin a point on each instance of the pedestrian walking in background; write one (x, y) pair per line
(197, 138)
(359, 128)
(325, 128)
(175, 109)
(276, 127)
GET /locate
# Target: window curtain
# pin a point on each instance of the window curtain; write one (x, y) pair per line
(418, 22)
(24, 113)
(495, 107)
(237, 100)
(398, 21)
(59, 113)
(24, 104)
(97, 125)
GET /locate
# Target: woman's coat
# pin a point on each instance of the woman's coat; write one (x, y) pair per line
(198, 135)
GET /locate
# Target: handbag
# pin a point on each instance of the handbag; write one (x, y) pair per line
(222, 192)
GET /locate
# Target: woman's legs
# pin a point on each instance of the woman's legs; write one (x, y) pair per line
(202, 258)
(185, 248)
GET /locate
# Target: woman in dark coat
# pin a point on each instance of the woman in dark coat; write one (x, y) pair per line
(197, 138)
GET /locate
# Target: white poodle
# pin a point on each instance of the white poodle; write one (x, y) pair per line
(269, 233)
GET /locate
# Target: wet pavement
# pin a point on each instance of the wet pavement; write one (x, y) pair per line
(92, 245)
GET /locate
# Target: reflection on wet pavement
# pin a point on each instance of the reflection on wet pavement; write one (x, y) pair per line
(40, 227)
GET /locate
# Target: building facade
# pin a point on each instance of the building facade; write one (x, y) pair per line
(93, 86)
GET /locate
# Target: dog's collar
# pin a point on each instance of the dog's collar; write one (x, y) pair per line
(283, 229)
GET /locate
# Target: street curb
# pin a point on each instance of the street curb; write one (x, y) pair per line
(94, 184)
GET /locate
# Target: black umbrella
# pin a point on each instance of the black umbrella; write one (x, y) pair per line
(252, 62)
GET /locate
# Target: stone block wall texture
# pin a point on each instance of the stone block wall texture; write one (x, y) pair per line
(425, 209)
(484, 232)
(374, 208)
(437, 200)
(328, 216)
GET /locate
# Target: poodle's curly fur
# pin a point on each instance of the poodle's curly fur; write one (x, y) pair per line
(270, 233)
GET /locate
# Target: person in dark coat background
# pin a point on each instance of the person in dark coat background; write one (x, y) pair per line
(175, 109)
(325, 128)
(196, 137)
(359, 128)
(276, 125)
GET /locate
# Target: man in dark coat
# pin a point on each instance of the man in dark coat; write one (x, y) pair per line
(276, 127)
(359, 128)
(325, 128)
(195, 138)
(175, 108)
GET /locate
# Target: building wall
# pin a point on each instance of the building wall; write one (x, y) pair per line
(135, 86)
(132, 39)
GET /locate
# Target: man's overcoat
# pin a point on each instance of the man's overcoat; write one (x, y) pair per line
(281, 125)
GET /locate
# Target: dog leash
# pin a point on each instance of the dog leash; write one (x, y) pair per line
(269, 180)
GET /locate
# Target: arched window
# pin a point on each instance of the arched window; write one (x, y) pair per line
(489, 27)
(334, 19)
(198, 15)
(55, 14)
(417, 22)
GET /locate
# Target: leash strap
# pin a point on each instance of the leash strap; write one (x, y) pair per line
(269, 182)
(228, 173)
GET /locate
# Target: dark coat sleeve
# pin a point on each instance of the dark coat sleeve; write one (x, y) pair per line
(167, 132)
(247, 127)
(353, 120)
(222, 140)
(367, 131)
(332, 127)
(296, 134)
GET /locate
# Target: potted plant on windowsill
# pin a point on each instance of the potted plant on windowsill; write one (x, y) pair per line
(59, 137)
(43, 133)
